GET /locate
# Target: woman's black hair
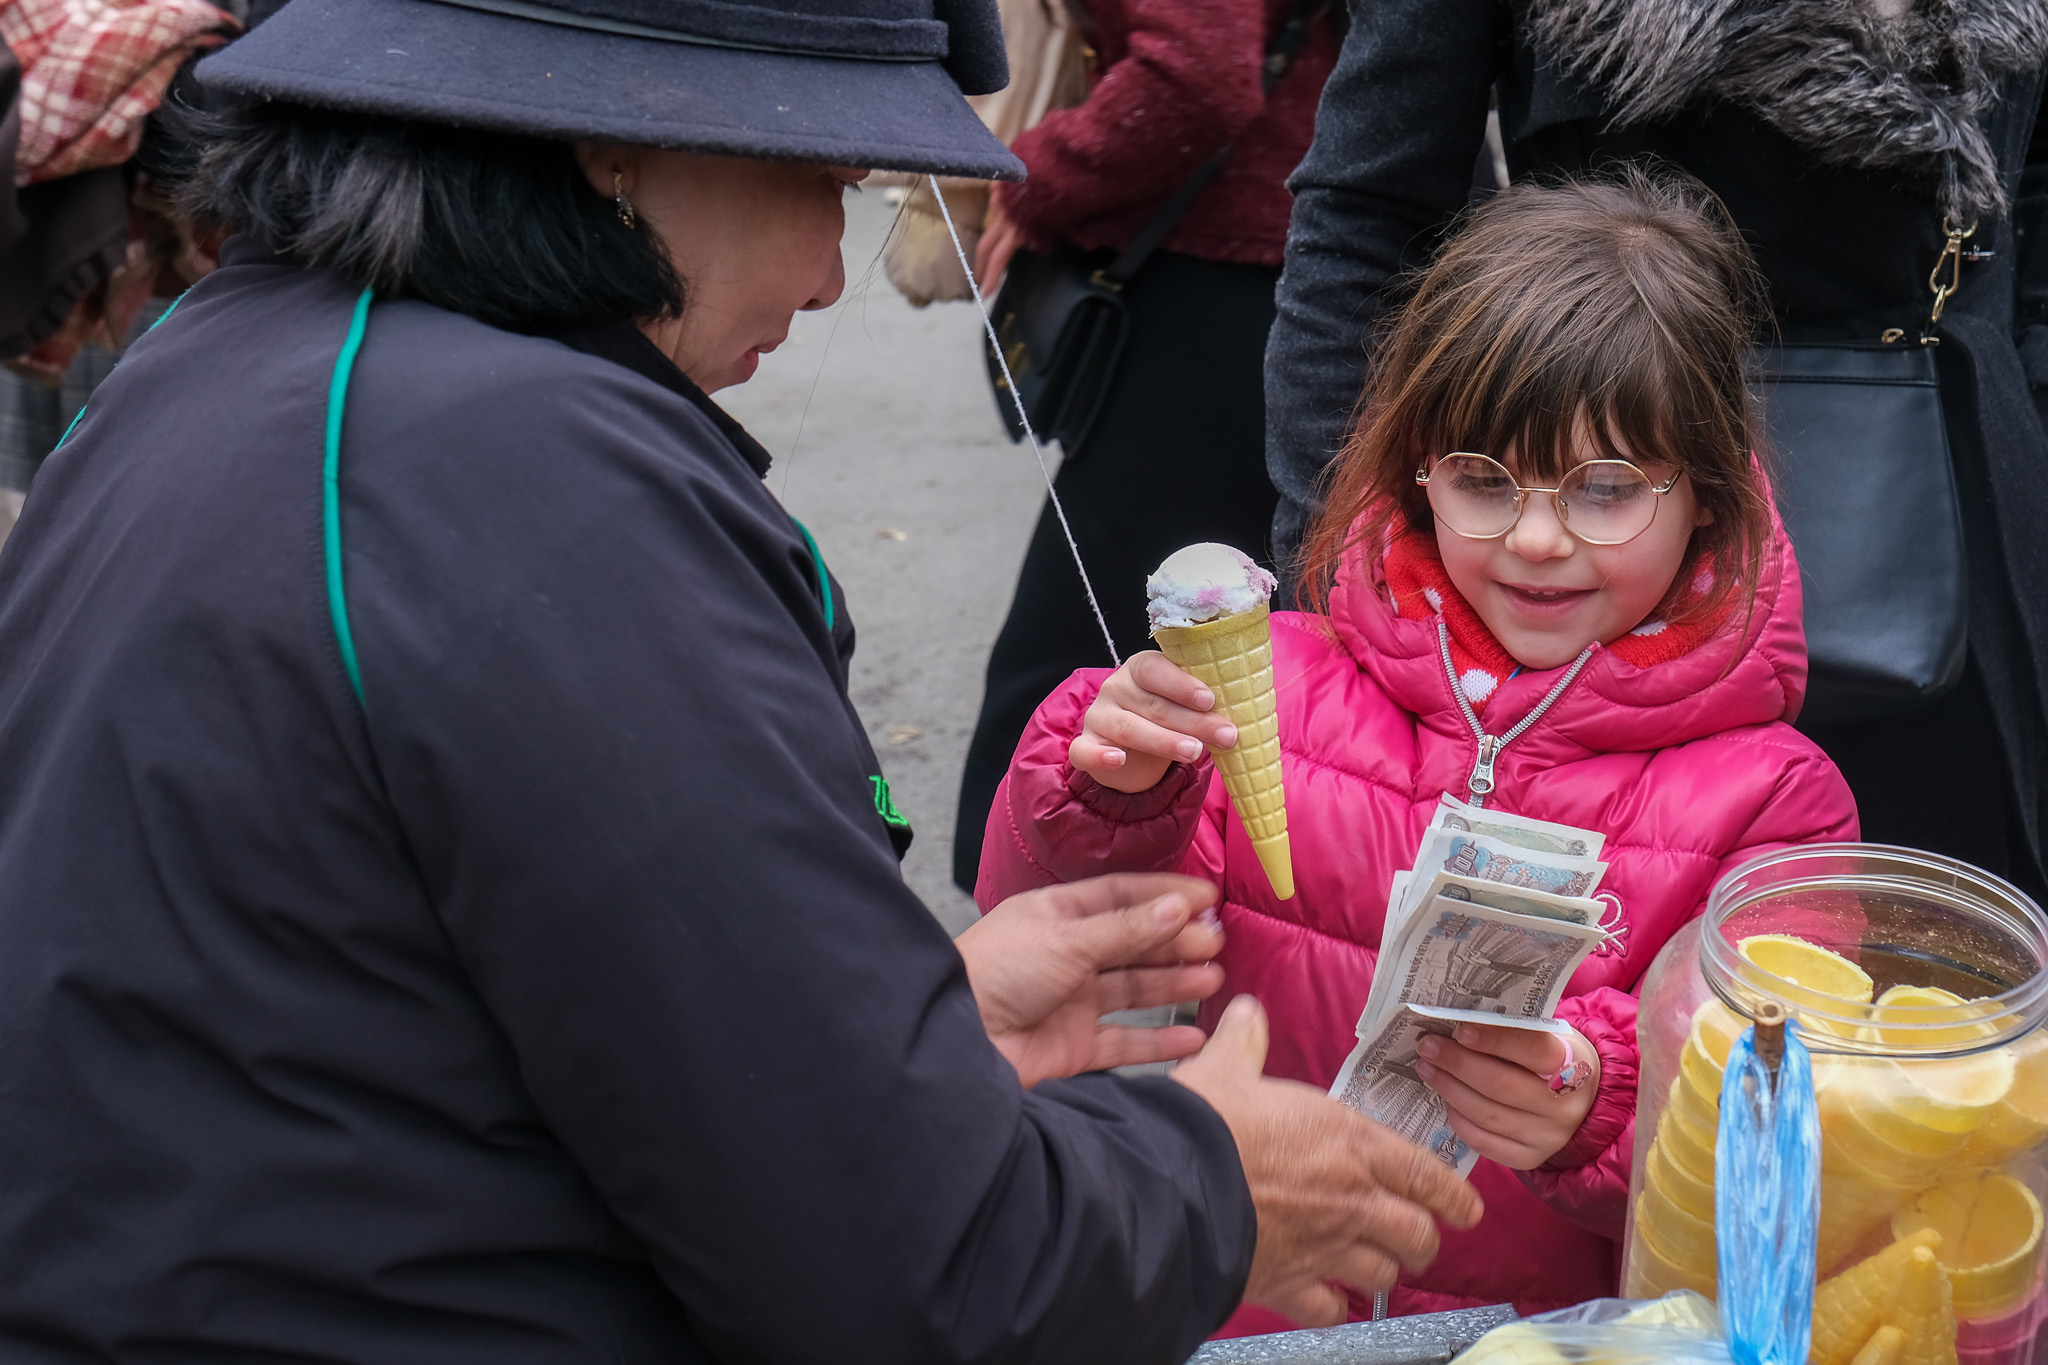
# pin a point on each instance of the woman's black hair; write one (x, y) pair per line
(504, 228)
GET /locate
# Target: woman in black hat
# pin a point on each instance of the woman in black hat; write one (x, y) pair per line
(448, 905)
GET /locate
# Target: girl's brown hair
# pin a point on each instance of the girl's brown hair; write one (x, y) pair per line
(1615, 311)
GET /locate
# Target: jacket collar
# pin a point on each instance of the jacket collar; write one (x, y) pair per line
(1750, 673)
(1841, 78)
(624, 344)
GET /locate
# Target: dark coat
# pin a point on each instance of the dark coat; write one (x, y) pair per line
(1845, 252)
(562, 1000)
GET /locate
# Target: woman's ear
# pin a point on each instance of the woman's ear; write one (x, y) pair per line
(610, 167)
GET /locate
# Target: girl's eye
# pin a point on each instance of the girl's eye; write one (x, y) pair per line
(1612, 489)
(1481, 485)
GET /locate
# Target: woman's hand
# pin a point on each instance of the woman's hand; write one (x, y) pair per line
(1339, 1198)
(1492, 1079)
(1148, 716)
(1046, 965)
(1000, 239)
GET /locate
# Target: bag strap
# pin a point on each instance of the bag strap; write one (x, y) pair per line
(1280, 54)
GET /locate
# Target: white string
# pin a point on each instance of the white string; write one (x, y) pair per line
(996, 349)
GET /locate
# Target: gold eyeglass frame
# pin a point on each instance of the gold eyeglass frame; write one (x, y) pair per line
(1522, 492)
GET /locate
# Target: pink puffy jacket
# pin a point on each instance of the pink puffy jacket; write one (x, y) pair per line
(1689, 767)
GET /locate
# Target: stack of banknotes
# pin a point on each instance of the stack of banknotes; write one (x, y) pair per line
(1487, 927)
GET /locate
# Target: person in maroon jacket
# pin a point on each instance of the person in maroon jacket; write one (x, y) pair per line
(1177, 453)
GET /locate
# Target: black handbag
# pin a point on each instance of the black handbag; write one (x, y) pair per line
(1061, 320)
(1869, 499)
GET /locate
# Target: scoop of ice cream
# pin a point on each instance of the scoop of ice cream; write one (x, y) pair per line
(1205, 583)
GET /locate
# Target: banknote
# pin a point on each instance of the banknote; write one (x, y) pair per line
(1462, 955)
(1522, 831)
(1379, 1079)
(1487, 859)
(1521, 900)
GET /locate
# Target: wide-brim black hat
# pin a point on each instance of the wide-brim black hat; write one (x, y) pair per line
(875, 83)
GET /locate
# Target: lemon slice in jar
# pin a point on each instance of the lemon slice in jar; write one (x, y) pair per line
(2021, 1119)
(1808, 965)
(1990, 1226)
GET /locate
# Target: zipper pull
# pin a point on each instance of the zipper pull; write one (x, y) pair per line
(1480, 784)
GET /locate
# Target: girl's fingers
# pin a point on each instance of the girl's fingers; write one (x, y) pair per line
(1463, 1099)
(1162, 677)
(1118, 728)
(1153, 688)
(1541, 1053)
(1516, 1156)
(1504, 1083)
(1093, 757)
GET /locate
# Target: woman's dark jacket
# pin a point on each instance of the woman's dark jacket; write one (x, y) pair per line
(1845, 239)
(561, 1000)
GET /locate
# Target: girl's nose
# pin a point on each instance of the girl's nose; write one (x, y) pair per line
(1539, 534)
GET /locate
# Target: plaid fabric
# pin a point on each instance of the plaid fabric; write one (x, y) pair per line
(93, 70)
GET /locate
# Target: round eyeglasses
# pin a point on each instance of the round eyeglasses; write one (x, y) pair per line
(1602, 502)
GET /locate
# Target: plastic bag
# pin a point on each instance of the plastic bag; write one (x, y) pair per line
(1767, 1200)
(1681, 1328)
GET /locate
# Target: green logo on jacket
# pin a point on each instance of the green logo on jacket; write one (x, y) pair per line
(885, 805)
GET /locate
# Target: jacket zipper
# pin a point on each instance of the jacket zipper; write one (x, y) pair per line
(1480, 784)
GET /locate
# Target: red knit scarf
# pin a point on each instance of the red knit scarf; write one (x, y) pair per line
(1422, 591)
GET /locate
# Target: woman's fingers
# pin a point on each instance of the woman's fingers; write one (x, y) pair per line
(1117, 1045)
(1146, 987)
(1311, 1303)
(1118, 728)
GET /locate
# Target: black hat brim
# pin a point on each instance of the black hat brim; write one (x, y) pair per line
(445, 64)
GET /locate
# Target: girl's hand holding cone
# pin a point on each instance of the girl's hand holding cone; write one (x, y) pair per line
(1149, 715)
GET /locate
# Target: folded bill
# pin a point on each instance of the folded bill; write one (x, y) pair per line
(1489, 924)
(1380, 1080)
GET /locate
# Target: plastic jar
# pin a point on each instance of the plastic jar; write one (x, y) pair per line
(1919, 984)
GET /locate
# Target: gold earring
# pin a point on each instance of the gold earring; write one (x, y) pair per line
(622, 203)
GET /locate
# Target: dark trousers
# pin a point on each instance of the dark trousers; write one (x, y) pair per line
(1177, 456)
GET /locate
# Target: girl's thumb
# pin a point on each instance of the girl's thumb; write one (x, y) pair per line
(1241, 1035)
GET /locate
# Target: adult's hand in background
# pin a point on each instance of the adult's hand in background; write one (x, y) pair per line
(1340, 1200)
(1000, 239)
(1045, 965)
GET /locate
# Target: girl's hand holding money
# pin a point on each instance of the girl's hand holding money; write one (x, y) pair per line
(1511, 1096)
(1148, 716)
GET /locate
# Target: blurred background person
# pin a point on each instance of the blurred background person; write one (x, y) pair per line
(89, 248)
(1173, 456)
(1847, 140)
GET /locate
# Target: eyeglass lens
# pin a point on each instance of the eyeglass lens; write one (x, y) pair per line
(1602, 502)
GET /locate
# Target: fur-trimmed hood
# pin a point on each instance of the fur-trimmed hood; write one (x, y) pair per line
(1843, 78)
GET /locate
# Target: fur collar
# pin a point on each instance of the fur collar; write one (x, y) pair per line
(1836, 76)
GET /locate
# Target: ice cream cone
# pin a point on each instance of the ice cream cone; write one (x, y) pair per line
(1849, 1307)
(1233, 656)
(1887, 1345)
(1920, 1310)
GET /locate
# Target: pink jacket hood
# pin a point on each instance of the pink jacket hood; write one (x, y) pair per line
(1688, 766)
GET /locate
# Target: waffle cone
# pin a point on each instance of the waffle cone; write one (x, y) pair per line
(1920, 1310)
(1234, 657)
(1849, 1307)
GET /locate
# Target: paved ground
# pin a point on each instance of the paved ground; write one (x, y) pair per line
(887, 446)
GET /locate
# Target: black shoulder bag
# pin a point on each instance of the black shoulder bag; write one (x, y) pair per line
(1062, 321)
(1869, 499)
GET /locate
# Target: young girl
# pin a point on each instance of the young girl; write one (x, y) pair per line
(1548, 549)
